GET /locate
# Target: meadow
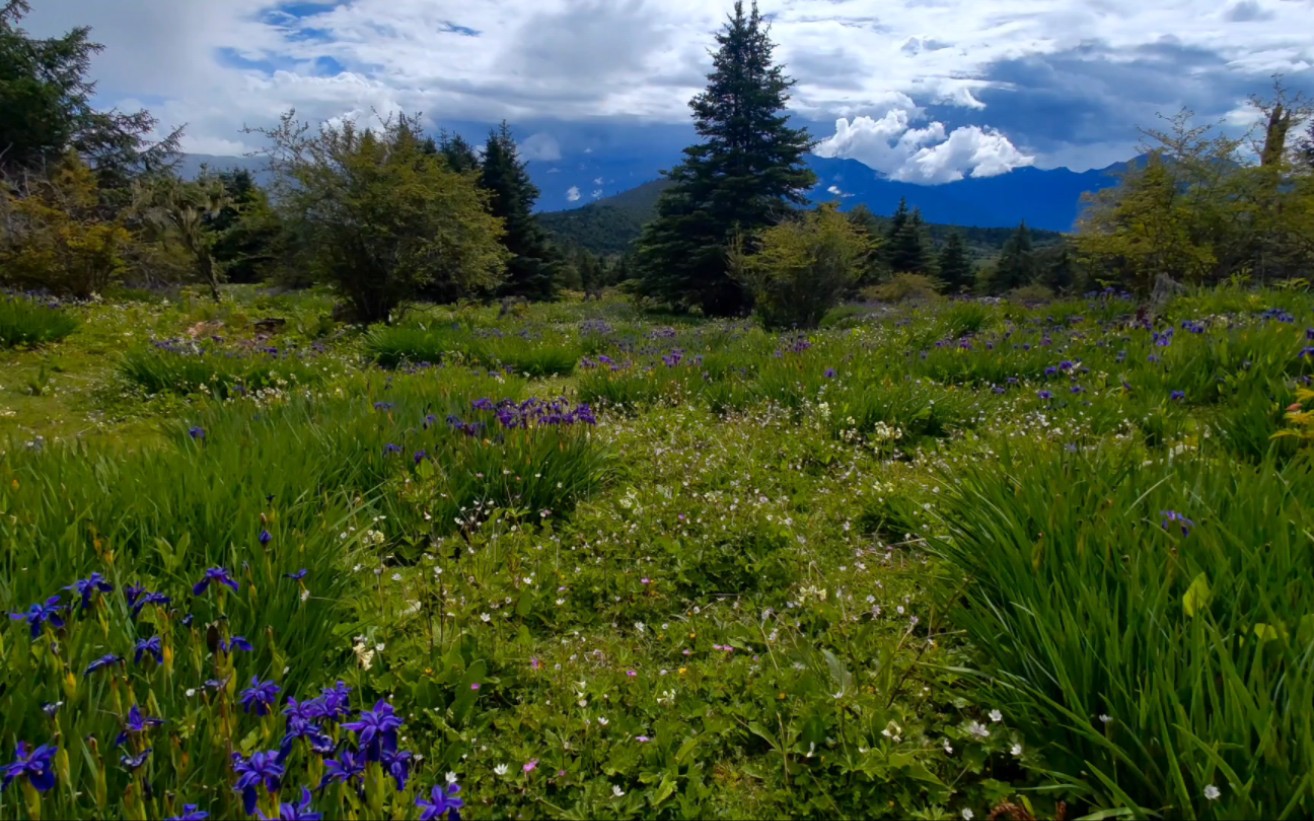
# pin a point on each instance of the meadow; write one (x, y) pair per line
(931, 561)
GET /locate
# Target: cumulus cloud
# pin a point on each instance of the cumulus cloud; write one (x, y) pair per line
(540, 147)
(572, 193)
(929, 154)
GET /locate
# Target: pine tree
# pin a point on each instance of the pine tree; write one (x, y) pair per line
(1017, 262)
(743, 177)
(460, 155)
(956, 271)
(908, 247)
(531, 273)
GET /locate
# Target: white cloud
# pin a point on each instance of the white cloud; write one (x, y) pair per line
(540, 147)
(836, 191)
(572, 193)
(597, 193)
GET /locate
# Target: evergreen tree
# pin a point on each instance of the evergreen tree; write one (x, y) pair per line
(46, 111)
(908, 249)
(873, 268)
(1017, 262)
(247, 228)
(460, 155)
(956, 271)
(743, 177)
(1055, 266)
(534, 263)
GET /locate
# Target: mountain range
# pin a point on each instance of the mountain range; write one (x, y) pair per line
(1048, 199)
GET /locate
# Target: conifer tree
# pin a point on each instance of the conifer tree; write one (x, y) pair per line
(1017, 262)
(956, 271)
(744, 176)
(460, 155)
(908, 244)
(534, 264)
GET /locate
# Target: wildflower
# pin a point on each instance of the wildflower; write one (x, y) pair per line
(265, 537)
(41, 614)
(398, 765)
(500, 769)
(88, 587)
(616, 790)
(134, 762)
(37, 766)
(1177, 396)
(1170, 516)
(347, 767)
(336, 701)
(1015, 750)
(1045, 394)
(420, 456)
(297, 576)
(474, 685)
(383, 406)
(534, 663)
(996, 716)
(390, 449)
(101, 663)
(530, 765)
(152, 646)
(1211, 792)
(295, 812)
(261, 768)
(376, 730)
(196, 432)
(642, 739)
(830, 373)
(136, 724)
(441, 802)
(968, 815)
(190, 813)
(235, 643)
(141, 598)
(52, 708)
(260, 696)
(978, 729)
(215, 575)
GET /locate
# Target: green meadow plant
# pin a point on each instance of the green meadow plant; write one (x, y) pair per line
(23, 321)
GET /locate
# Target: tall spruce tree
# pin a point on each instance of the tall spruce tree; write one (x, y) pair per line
(908, 244)
(1017, 262)
(956, 271)
(745, 175)
(534, 264)
(460, 155)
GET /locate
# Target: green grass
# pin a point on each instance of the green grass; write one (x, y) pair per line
(900, 567)
(25, 322)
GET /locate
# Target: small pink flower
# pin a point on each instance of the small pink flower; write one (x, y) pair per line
(533, 663)
(475, 686)
(642, 739)
(531, 765)
(631, 673)
(645, 580)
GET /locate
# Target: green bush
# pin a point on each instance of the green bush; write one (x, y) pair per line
(24, 322)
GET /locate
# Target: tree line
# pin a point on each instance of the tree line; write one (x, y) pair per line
(387, 214)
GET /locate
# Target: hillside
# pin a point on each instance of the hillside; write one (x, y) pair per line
(611, 225)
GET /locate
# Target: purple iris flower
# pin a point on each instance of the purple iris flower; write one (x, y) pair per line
(1045, 394)
(297, 576)
(88, 587)
(261, 768)
(41, 614)
(152, 646)
(347, 767)
(265, 537)
(37, 766)
(190, 813)
(215, 575)
(294, 812)
(336, 700)
(1171, 517)
(196, 433)
(398, 765)
(1177, 396)
(235, 643)
(102, 662)
(441, 802)
(261, 696)
(376, 730)
(135, 724)
(134, 762)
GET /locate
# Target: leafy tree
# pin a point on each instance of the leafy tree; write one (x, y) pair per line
(956, 270)
(532, 269)
(1016, 266)
(248, 233)
(743, 177)
(179, 212)
(378, 217)
(46, 111)
(802, 267)
(56, 237)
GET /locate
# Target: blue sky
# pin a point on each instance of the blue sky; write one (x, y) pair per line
(925, 91)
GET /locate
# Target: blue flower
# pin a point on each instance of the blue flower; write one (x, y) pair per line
(391, 449)
(138, 598)
(88, 587)
(265, 537)
(295, 812)
(135, 724)
(215, 575)
(336, 700)
(297, 576)
(134, 762)
(344, 769)
(190, 813)
(36, 766)
(376, 730)
(420, 456)
(196, 433)
(102, 662)
(1173, 517)
(235, 643)
(398, 765)
(440, 803)
(261, 768)
(41, 614)
(151, 645)
(383, 406)
(830, 373)
(1045, 394)
(1177, 396)
(261, 696)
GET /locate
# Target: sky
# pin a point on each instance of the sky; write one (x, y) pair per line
(926, 91)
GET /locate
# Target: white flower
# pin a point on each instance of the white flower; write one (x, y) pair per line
(948, 748)
(978, 729)
(1211, 792)
(451, 777)
(1016, 750)
(191, 691)
(603, 720)
(485, 618)
(968, 815)
(500, 769)
(996, 716)
(617, 791)
(1106, 718)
